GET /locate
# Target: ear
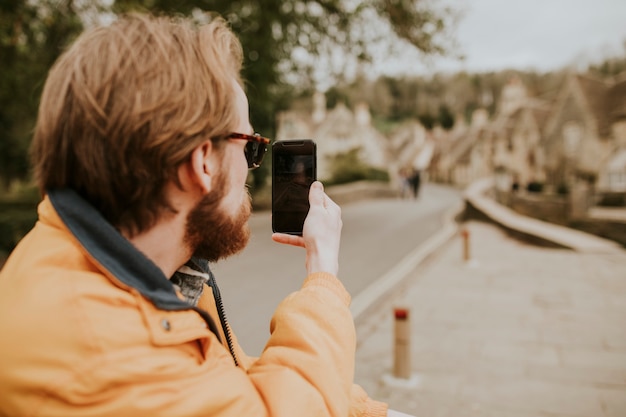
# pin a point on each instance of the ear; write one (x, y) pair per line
(201, 167)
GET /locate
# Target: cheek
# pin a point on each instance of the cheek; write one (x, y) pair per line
(240, 165)
(237, 176)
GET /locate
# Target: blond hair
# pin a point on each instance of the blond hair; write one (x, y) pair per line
(126, 104)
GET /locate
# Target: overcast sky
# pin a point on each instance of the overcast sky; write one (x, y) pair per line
(531, 34)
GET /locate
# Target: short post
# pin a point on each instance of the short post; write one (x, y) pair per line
(402, 378)
(402, 348)
(466, 244)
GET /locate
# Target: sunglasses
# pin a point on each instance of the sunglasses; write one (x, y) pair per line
(255, 148)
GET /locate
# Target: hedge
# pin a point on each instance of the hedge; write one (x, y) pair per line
(17, 217)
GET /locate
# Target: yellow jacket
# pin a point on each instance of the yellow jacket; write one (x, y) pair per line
(91, 327)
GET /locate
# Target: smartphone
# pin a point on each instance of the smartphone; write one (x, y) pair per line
(294, 168)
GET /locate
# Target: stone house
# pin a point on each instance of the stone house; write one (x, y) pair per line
(465, 153)
(579, 138)
(517, 128)
(612, 175)
(335, 131)
(518, 147)
(507, 144)
(408, 146)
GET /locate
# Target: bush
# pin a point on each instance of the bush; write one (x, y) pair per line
(14, 224)
(534, 187)
(18, 214)
(562, 189)
(612, 200)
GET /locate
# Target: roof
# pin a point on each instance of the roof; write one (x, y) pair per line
(596, 95)
(617, 100)
(461, 150)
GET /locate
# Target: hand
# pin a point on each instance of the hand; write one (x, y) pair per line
(321, 234)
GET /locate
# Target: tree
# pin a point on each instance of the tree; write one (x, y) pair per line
(446, 118)
(32, 36)
(288, 43)
(427, 120)
(610, 66)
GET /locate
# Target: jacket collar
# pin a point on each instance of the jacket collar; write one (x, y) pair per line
(115, 253)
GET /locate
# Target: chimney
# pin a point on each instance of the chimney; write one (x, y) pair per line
(362, 114)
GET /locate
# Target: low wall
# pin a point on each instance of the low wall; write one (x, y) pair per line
(532, 216)
(608, 229)
(549, 208)
(555, 209)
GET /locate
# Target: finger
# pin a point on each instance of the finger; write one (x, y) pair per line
(316, 194)
(286, 239)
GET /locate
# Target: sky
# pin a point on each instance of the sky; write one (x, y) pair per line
(541, 35)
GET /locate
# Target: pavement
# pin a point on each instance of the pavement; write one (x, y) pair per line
(502, 327)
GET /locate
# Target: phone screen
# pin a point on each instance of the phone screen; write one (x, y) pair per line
(293, 172)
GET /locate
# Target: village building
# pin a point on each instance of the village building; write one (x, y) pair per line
(409, 148)
(335, 131)
(341, 130)
(464, 153)
(519, 150)
(574, 144)
(612, 176)
(577, 140)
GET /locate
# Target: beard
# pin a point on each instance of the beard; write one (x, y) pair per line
(211, 232)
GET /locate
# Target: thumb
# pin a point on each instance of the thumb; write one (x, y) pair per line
(316, 194)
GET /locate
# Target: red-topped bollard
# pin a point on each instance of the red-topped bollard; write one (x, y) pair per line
(466, 245)
(402, 348)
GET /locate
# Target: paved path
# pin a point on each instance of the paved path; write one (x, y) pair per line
(519, 331)
(378, 235)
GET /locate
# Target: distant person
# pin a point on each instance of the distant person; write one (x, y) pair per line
(141, 151)
(404, 181)
(415, 182)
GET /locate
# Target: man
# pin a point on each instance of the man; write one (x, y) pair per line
(141, 150)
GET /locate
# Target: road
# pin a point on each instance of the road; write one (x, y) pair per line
(377, 234)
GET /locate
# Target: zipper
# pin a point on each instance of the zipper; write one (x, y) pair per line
(221, 312)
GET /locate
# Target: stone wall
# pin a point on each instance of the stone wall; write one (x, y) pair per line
(613, 230)
(549, 208)
(556, 209)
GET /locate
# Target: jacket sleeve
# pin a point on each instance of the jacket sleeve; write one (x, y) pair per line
(308, 363)
(361, 405)
(306, 369)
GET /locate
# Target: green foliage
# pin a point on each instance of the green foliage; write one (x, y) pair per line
(335, 95)
(441, 100)
(273, 34)
(348, 167)
(611, 66)
(446, 118)
(427, 120)
(32, 36)
(534, 187)
(18, 215)
(385, 125)
(470, 107)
